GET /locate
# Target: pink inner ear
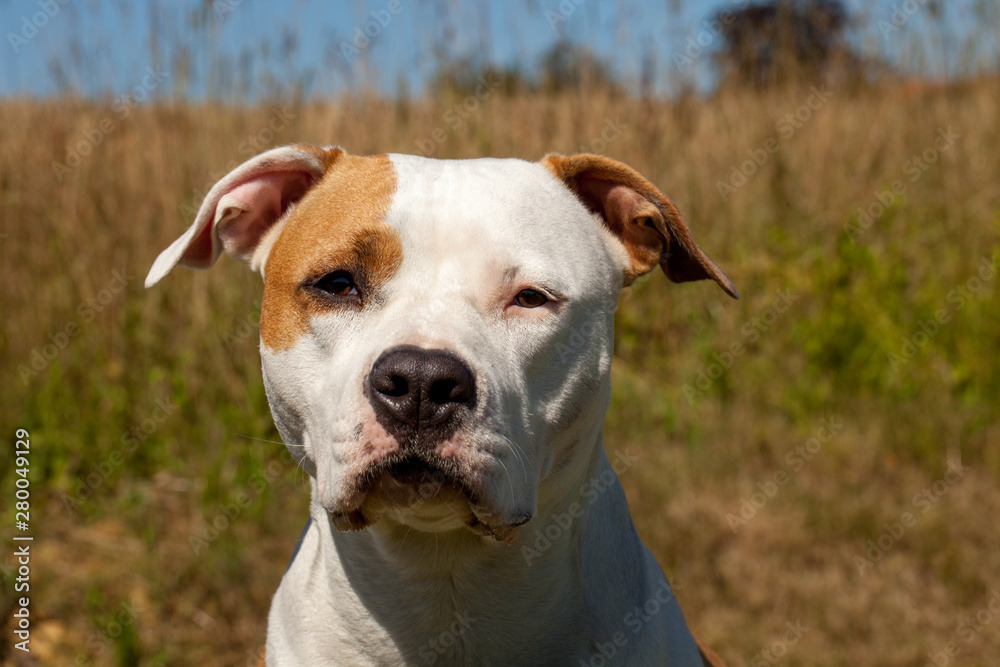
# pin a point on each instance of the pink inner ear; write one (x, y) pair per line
(241, 207)
(258, 204)
(619, 203)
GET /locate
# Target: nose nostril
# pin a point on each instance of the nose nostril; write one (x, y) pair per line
(399, 386)
(392, 385)
(444, 391)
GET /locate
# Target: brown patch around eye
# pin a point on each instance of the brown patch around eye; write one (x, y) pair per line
(339, 224)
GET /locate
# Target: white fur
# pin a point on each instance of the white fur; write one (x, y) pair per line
(473, 233)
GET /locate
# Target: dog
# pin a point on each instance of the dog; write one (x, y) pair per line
(436, 342)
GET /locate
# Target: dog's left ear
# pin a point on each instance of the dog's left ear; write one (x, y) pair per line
(240, 209)
(644, 220)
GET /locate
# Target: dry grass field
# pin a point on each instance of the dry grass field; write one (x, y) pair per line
(822, 455)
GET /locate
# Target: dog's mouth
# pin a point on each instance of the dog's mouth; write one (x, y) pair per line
(413, 471)
(431, 489)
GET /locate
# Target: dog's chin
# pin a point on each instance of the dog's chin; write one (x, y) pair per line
(426, 496)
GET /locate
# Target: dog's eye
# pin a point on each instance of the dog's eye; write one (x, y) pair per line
(338, 283)
(529, 298)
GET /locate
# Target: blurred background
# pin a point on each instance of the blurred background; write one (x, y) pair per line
(818, 462)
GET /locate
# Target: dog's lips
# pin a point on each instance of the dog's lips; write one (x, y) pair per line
(410, 480)
(413, 471)
(501, 532)
(411, 483)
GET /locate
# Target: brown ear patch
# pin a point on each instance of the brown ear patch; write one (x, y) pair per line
(339, 224)
(643, 218)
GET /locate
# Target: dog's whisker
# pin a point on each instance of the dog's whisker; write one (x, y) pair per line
(518, 453)
(275, 442)
(520, 457)
(509, 480)
(403, 541)
(299, 468)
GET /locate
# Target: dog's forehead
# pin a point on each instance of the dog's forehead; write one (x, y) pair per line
(482, 180)
(489, 216)
(378, 211)
(483, 219)
(507, 200)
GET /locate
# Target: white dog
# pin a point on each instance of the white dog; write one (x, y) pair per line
(436, 342)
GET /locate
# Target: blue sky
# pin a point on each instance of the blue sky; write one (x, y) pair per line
(105, 48)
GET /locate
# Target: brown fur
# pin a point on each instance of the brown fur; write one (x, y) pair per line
(642, 217)
(338, 224)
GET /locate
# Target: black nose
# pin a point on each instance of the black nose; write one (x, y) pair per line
(417, 394)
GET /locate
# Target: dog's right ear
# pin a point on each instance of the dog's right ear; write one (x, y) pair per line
(646, 222)
(240, 208)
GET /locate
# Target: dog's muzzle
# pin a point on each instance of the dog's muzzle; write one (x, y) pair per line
(422, 397)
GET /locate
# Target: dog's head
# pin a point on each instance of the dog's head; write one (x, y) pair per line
(436, 335)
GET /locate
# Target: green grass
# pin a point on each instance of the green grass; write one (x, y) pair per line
(190, 345)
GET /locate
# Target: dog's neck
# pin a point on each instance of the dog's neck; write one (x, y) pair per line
(409, 585)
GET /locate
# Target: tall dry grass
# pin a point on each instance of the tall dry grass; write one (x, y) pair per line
(115, 516)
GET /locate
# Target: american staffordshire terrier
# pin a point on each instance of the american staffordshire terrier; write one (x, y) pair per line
(436, 341)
